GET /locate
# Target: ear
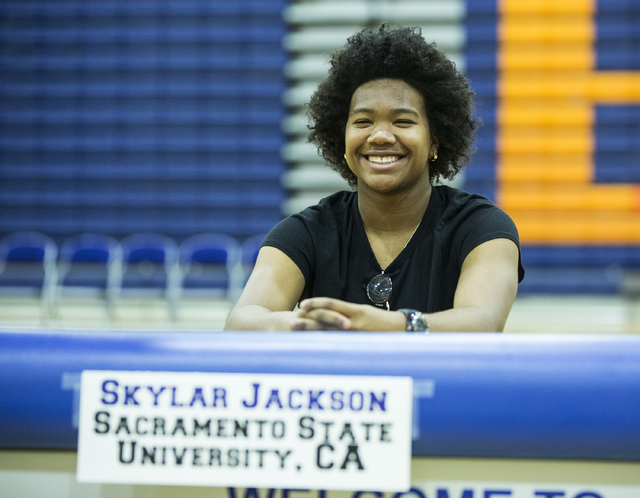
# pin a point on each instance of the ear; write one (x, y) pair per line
(435, 143)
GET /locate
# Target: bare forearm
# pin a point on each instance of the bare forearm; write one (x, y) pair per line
(255, 317)
(466, 319)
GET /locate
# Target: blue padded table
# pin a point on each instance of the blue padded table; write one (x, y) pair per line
(476, 395)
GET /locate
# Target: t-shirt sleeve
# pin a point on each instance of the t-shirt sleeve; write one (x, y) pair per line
(487, 222)
(292, 237)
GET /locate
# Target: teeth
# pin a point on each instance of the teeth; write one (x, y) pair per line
(383, 159)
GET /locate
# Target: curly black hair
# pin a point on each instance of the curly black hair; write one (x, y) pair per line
(397, 53)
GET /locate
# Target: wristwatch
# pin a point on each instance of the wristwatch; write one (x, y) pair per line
(416, 322)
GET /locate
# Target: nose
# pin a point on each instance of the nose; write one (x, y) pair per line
(381, 135)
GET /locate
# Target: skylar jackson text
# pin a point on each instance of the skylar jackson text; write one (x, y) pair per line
(337, 444)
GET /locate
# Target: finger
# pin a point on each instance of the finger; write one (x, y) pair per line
(303, 324)
(325, 319)
(309, 324)
(329, 303)
(332, 320)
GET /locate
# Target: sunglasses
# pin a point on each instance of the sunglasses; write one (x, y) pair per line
(379, 290)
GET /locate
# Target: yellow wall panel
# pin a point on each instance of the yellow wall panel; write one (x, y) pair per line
(546, 28)
(584, 228)
(547, 58)
(544, 112)
(546, 6)
(545, 168)
(614, 87)
(544, 84)
(534, 140)
(570, 197)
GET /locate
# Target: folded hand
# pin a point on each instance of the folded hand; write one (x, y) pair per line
(323, 313)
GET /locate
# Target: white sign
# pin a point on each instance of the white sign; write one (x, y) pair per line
(249, 430)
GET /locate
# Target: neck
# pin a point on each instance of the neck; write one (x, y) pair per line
(393, 213)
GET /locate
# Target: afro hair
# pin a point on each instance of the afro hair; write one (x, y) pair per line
(397, 53)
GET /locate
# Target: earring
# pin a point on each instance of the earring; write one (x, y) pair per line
(345, 157)
(435, 156)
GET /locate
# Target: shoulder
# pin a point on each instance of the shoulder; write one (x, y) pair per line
(315, 219)
(457, 206)
(334, 205)
(468, 220)
(329, 211)
(456, 199)
(310, 235)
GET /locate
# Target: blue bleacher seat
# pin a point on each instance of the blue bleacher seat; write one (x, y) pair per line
(148, 260)
(28, 267)
(209, 268)
(88, 266)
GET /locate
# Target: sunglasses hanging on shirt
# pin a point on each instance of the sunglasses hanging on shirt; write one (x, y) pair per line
(379, 287)
(379, 290)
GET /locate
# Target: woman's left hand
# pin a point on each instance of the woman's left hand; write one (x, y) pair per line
(324, 313)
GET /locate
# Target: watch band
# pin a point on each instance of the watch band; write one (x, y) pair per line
(416, 321)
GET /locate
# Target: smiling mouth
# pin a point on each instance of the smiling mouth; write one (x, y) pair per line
(383, 159)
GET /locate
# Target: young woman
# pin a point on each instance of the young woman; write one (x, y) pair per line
(398, 253)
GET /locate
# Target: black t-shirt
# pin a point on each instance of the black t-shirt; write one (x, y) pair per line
(329, 245)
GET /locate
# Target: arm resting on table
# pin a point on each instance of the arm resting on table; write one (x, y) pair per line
(271, 294)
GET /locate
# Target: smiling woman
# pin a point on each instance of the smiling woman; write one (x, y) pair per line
(398, 253)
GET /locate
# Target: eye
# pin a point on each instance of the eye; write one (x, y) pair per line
(404, 122)
(362, 122)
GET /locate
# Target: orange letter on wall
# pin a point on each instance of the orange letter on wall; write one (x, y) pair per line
(547, 90)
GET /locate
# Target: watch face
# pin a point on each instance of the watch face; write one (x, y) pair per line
(422, 321)
(416, 321)
(413, 322)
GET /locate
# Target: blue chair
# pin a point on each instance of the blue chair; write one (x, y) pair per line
(210, 268)
(148, 261)
(88, 265)
(28, 267)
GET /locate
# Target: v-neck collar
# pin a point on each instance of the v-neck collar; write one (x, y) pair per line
(401, 258)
